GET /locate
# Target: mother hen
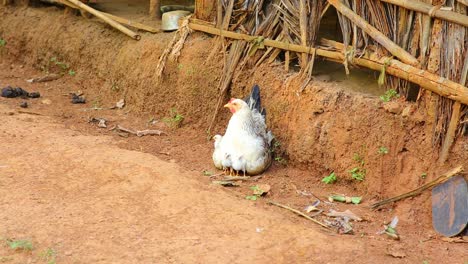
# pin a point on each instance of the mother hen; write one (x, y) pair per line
(246, 145)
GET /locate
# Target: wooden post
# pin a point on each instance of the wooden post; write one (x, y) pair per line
(155, 9)
(303, 29)
(378, 36)
(204, 9)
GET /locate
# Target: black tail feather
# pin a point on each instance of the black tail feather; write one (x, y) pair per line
(253, 100)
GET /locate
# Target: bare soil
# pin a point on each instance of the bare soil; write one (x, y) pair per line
(95, 196)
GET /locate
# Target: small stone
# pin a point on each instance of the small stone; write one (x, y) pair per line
(68, 253)
(24, 105)
(406, 111)
(47, 101)
(393, 107)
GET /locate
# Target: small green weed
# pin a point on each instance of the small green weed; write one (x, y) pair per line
(2, 42)
(63, 67)
(276, 149)
(383, 150)
(424, 175)
(257, 192)
(389, 95)
(175, 118)
(20, 244)
(49, 255)
(58, 63)
(425, 262)
(329, 179)
(358, 173)
(358, 158)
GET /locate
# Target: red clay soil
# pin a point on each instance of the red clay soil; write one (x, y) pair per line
(94, 196)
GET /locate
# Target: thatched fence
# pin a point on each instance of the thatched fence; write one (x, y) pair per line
(414, 44)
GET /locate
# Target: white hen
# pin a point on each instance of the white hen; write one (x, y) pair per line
(247, 141)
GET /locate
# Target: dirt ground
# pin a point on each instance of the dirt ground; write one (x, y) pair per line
(92, 195)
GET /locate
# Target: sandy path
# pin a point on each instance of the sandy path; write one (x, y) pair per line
(93, 202)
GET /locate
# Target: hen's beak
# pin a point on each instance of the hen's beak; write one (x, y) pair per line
(228, 105)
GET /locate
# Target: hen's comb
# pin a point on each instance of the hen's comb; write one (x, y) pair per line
(232, 99)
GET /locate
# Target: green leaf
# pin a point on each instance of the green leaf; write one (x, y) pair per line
(20, 244)
(251, 197)
(383, 150)
(329, 179)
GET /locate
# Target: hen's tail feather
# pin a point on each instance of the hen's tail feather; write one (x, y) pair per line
(253, 100)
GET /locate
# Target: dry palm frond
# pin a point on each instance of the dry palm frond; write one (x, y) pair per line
(172, 50)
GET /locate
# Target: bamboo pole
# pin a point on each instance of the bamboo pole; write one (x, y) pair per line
(425, 79)
(121, 20)
(130, 23)
(463, 2)
(383, 40)
(419, 190)
(106, 19)
(303, 29)
(432, 11)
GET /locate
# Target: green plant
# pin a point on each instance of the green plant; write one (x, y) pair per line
(389, 95)
(329, 179)
(2, 42)
(425, 262)
(20, 244)
(383, 150)
(58, 63)
(49, 255)
(64, 67)
(175, 119)
(424, 175)
(358, 158)
(358, 173)
(257, 192)
(275, 149)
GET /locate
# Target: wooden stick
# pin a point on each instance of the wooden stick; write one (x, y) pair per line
(130, 23)
(431, 10)
(463, 2)
(456, 112)
(286, 61)
(106, 19)
(303, 29)
(425, 79)
(383, 40)
(419, 190)
(121, 20)
(452, 129)
(299, 213)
